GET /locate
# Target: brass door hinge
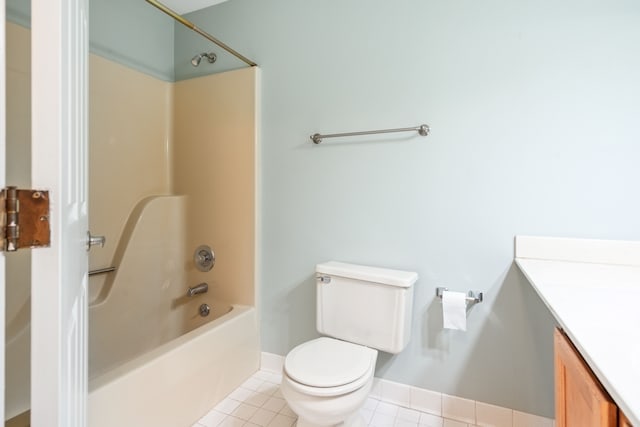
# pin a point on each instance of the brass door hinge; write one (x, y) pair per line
(24, 219)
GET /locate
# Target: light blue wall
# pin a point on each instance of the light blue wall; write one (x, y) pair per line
(188, 44)
(533, 107)
(19, 12)
(132, 33)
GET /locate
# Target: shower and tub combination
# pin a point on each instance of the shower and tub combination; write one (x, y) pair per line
(167, 339)
(162, 352)
(173, 329)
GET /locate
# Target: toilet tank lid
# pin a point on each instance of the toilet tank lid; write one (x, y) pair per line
(384, 276)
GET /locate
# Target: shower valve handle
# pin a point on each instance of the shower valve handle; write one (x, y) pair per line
(204, 258)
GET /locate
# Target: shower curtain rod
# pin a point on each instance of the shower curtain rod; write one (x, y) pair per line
(203, 33)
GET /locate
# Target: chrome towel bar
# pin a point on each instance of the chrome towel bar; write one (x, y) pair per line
(423, 130)
(101, 271)
(472, 297)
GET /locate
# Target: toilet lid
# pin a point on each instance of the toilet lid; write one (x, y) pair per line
(327, 362)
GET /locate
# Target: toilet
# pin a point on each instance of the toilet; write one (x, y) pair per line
(361, 310)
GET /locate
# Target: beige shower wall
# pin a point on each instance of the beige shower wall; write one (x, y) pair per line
(130, 137)
(214, 165)
(195, 138)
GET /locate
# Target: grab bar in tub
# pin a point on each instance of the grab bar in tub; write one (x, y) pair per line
(101, 271)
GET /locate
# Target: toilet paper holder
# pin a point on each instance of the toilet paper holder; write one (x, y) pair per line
(472, 296)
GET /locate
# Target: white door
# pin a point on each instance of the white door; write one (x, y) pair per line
(59, 164)
(3, 100)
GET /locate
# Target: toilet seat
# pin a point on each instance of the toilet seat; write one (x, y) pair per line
(329, 367)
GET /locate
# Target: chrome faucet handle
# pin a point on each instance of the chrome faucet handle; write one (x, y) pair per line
(204, 258)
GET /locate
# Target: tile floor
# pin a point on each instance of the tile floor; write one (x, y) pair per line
(258, 402)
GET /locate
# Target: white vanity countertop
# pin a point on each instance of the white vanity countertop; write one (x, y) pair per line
(596, 303)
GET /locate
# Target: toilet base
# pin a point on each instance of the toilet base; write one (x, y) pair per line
(355, 421)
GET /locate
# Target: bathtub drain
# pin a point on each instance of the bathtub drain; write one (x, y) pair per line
(205, 310)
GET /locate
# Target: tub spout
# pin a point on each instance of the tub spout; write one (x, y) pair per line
(198, 289)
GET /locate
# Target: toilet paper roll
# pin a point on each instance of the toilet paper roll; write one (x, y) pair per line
(454, 310)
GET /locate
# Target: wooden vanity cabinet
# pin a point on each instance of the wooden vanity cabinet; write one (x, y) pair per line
(623, 421)
(580, 399)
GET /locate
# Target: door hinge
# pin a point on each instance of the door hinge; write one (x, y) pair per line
(24, 219)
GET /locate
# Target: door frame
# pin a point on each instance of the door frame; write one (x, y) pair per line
(59, 117)
(59, 56)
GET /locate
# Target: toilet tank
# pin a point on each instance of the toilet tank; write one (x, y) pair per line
(365, 305)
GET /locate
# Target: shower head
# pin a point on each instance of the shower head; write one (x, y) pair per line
(211, 57)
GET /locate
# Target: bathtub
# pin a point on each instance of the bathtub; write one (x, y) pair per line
(153, 359)
(177, 383)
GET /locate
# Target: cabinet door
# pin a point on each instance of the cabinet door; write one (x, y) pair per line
(623, 421)
(580, 399)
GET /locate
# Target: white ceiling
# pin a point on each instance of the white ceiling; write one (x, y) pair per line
(186, 6)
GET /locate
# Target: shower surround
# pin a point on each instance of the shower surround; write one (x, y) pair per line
(173, 168)
(180, 156)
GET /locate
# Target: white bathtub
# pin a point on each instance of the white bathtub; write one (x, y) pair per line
(178, 382)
